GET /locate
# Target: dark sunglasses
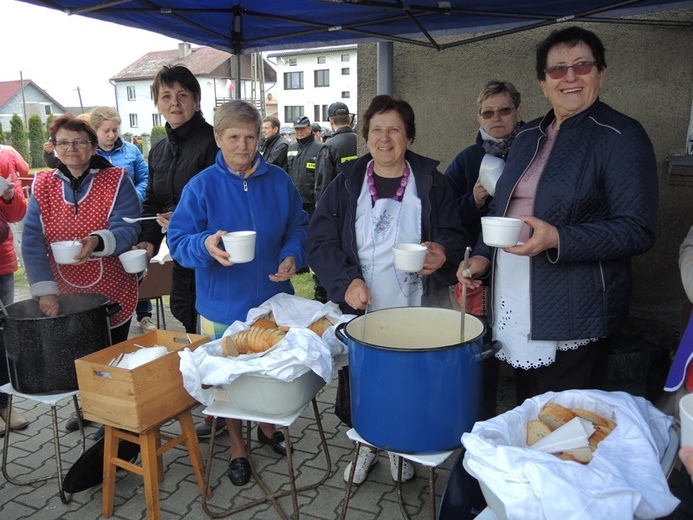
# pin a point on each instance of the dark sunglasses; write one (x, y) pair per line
(559, 71)
(505, 111)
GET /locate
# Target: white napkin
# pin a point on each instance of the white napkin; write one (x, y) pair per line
(623, 480)
(299, 351)
(163, 255)
(573, 434)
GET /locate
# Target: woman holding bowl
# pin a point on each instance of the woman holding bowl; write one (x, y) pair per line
(389, 196)
(84, 199)
(240, 192)
(583, 179)
(188, 149)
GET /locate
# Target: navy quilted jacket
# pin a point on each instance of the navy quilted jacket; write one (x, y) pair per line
(600, 190)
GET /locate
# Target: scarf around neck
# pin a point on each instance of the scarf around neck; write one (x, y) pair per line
(497, 147)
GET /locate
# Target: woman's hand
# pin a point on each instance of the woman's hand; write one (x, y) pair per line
(357, 295)
(435, 257)
(545, 236)
(686, 456)
(480, 194)
(88, 245)
(212, 247)
(49, 304)
(148, 246)
(478, 266)
(286, 270)
(163, 219)
(8, 194)
(48, 146)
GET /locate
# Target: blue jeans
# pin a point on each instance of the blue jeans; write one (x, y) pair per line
(7, 297)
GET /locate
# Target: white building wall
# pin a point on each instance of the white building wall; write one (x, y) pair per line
(310, 96)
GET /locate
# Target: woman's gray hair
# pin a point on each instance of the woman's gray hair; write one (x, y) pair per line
(235, 113)
(495, 87)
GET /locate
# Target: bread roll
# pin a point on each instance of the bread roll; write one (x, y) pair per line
(555, 415)
(536, 430)
(320, 326)
(257, 340)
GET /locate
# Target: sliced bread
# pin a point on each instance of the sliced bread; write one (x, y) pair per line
(555, 415)
(536, 430)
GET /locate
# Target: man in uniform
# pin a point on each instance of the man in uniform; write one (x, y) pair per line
(301, 162)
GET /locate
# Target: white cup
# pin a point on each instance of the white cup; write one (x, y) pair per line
(134, 261)
(240, 245)
(490, 171)
(409, 257)
(64, 251)
(686, 416)
(500, 231)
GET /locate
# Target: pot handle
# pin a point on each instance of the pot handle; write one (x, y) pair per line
(339, 332)
(112, 308)
(493, 347)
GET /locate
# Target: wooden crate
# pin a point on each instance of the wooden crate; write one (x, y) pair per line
(141, 398)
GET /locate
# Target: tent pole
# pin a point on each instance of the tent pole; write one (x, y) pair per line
(384, 65)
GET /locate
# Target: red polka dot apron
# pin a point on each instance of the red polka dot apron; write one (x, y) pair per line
(102, 275)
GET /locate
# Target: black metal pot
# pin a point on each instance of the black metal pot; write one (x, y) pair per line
(41, 350)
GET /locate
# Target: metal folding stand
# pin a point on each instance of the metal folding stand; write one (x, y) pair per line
(223, 408)
(51, 400)
(431, 460)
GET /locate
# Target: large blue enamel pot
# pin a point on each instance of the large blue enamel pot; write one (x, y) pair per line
(415, 385)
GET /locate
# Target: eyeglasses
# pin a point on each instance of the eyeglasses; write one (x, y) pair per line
(79, 144)
(559, 71)
(505, 111)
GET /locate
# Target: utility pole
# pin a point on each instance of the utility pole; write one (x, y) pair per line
(21, 81)
(81, 106)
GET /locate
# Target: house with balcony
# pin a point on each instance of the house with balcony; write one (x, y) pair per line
(310, 80)
(32, 101)
(214, 70)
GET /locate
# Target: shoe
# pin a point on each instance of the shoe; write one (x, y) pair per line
(17, 419)
(239, 471)
(407, 468)
(147, 325)
(98, 434)
(204, 429)
(364, 463)
(276, 441)
(2, 427)
(72, 425)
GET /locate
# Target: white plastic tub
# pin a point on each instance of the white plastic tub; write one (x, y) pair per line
(262, 395)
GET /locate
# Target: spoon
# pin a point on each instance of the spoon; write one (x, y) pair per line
(133, 220)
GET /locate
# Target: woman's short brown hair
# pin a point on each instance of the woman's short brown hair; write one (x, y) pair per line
(73, 124)
(385, 103)
(233, 113)
(168, 75)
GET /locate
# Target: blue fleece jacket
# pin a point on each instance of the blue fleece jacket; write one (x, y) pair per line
(267, 202)
(126, 155)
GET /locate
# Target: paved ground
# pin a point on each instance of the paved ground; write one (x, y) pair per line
(31, 455)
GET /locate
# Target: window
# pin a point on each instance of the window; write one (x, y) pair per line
(293, 80)
(133, 120)
(156, 120)
(47, 109)
(345, 57)
(151, 92)
(322, 78)
(292, 62)
(321, 59)
(131, 94)
(346, 71)
(346, 94)
(320, 113)
(291, 113)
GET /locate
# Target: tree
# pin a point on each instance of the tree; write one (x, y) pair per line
(49, 121)
(18, 136)
(158, 133)
(37, 136)
(2, 134)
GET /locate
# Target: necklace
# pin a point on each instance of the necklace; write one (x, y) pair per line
(400, 190)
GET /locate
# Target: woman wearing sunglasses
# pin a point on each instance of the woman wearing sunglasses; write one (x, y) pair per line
(584, 180)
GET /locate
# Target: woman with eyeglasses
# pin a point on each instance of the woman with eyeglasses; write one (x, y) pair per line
(85, 199)
(583, 179)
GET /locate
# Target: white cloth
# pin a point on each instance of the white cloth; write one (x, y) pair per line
(378, 227)
(512, 317)
(299, 351)
(623, 480)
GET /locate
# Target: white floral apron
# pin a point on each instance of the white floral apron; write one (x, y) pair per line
(378, 227)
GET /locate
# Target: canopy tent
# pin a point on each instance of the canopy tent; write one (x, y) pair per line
(245, 26)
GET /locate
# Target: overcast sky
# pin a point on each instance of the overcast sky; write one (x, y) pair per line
(60, 53)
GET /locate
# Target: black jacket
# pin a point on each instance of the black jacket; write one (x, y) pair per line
(341, 148)
(274, 151)
(301, 158)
